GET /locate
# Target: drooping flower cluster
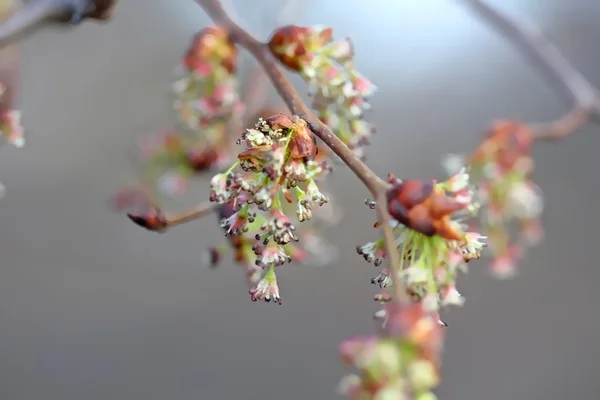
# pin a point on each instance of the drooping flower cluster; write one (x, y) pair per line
(312, 247)
(501, 168)
(432, 237)
(277, 169)
(207, 107)
(208, 91)
(340, 92)
(403, 363)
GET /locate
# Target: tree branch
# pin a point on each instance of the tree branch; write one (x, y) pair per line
(200, 211)
(286, 91)
(585, 97)
(291, 98)
(36, 12)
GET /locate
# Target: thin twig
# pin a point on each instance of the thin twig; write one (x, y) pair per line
(35, 13)
(392, 253)
(289, 95)
(586, 100)
(200, 211)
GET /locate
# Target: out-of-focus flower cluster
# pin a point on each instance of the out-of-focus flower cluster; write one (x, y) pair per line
(340, 93)
(433, 238)
(434, 245)
(208, 91)
(501, 168)
(277, 169)
(207, 108)
(403, 363)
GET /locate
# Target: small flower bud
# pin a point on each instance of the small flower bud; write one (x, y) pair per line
(153, 220)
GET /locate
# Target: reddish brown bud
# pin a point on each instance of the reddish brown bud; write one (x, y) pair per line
(280, 121)
(153, 220)
(209, 45)
(293, 44)
(506, 143)
(419, 206)
(303, 142)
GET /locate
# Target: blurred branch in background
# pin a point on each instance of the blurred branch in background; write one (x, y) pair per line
(36, 13)
(585, 97)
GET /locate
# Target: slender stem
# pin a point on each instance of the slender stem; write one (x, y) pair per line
(289, 95)
(200, 211)
(392, 253)
(586, 100)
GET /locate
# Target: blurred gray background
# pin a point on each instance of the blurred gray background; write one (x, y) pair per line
(92, 307)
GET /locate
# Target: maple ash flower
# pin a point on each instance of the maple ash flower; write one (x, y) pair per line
(270, 255)
(236, 224)
(219, 189)
(267, 289)
(372, 252)
(433, 241)
(280, 227)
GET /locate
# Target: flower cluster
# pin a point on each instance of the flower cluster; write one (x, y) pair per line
(433, 239)
(340, 92)
(278, 161)
(312, 247)
(208, 90)
(402, 363)
(207, 106)
(501, 168)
